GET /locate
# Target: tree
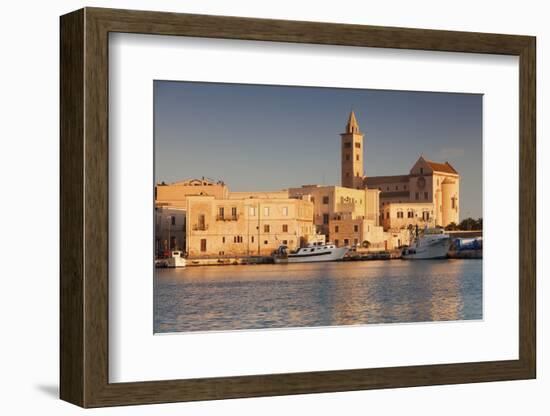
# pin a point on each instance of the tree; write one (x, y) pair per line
(451, 227)
(479, 223)
(469, 224)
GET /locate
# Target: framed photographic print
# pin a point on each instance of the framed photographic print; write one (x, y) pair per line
(255, 207)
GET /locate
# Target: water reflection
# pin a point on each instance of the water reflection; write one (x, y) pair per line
(316, 294)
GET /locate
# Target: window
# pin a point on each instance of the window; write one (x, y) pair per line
(203, 244)
(202, 222)
(336, 229)
(285, 242)
(388, 215)
(238, 239)
(399, 214)
(285, 211)
(396, 187)
(416, 196)
(425, 215)
(266, 228)
(265, 242)
(410, 214)
(422, 171)
(405, 187)
(221, 213)
(223, 240)
(347, 145)
(357, 157)
(346, 242)
(453, 202)
(347, 157)
(325, 219)
(285, 228)
(234, 213)
(355, 228)
(357, 145)
(252, 211)
(252, 239)
(325, 200)
(425, 195)
(266, 211)
(173, 219)
(336, 243)
(355, 241)
(172, 242)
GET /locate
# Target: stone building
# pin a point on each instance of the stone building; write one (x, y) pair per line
(170, 224)
(205, 219)
(346, 216)
(256, 225)
(175, 194)
(428, 195)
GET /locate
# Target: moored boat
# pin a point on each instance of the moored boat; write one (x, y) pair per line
(176, 260)
(431, 243)
(315, 252)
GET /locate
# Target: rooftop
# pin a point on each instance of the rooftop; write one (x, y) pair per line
(442, 167)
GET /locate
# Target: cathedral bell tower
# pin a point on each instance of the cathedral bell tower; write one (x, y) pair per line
(352, 155)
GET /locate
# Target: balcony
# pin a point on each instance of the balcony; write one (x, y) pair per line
(227, 217)
(200, 227)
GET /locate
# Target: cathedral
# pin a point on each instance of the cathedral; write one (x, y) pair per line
(427, 195)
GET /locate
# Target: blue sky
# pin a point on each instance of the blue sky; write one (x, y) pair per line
(258, 137)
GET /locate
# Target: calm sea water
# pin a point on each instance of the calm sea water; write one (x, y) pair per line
(316, 294)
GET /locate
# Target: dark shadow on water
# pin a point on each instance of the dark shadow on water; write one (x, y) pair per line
(51, 390)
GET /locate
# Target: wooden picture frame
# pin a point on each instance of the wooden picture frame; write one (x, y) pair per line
(84, 207)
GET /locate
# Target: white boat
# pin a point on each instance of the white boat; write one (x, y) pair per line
(311, 253)
(177, 260)
(431, 243)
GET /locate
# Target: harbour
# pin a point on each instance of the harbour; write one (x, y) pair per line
(293, 250)
(301, 295)
(459, 245)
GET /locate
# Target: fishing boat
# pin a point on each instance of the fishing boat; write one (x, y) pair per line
(430, 243)
(311, 253)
